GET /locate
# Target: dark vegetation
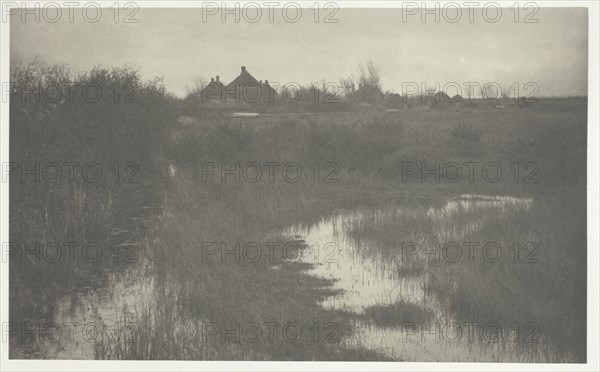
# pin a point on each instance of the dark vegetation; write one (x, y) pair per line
(107, 211)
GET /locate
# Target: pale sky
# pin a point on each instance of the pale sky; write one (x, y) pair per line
(179, 46)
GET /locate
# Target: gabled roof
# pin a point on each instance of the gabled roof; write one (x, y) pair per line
(213, 86)
(215, 90)
(243, 79)
(245, 87)
(441, 97)
(443, 100)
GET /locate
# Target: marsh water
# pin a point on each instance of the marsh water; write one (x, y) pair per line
(371, 279)
(383, 284)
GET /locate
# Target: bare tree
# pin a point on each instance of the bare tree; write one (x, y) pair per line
(469, 91)
(366, 87)
(348, 85)
(369, 76)
(197, 86)
(506, 92)
(490, 92)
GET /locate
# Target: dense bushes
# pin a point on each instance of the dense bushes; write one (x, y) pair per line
(84, 154)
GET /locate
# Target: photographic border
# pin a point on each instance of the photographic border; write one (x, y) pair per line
(593, 238)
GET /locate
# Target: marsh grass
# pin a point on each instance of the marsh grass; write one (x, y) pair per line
(169, 217)
(529, 287)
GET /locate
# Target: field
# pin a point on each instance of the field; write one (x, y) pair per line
(190, 201)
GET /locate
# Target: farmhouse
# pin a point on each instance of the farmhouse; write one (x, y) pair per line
(441, 101)
(244, 89)
(214, 91)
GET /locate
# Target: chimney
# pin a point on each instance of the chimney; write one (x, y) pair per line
(260, 81)
(266, 81)
(243, 69)
(212, 80)
(217, 77)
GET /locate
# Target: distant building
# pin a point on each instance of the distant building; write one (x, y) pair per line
(244, 89)
(442, 101)
(214, 91)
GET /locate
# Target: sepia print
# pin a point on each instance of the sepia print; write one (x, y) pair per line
(296, 182)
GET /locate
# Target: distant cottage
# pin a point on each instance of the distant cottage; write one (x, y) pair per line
(442, 101)
(244, 88)
(214, 91)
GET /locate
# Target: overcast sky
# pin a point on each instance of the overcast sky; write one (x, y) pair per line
(179, 46)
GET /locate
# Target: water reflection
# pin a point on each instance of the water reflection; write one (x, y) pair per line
(414, 324)
(87, 319)
(370, 278)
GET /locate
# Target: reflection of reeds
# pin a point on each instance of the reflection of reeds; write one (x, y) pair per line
(188, 291)
(513, 289)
